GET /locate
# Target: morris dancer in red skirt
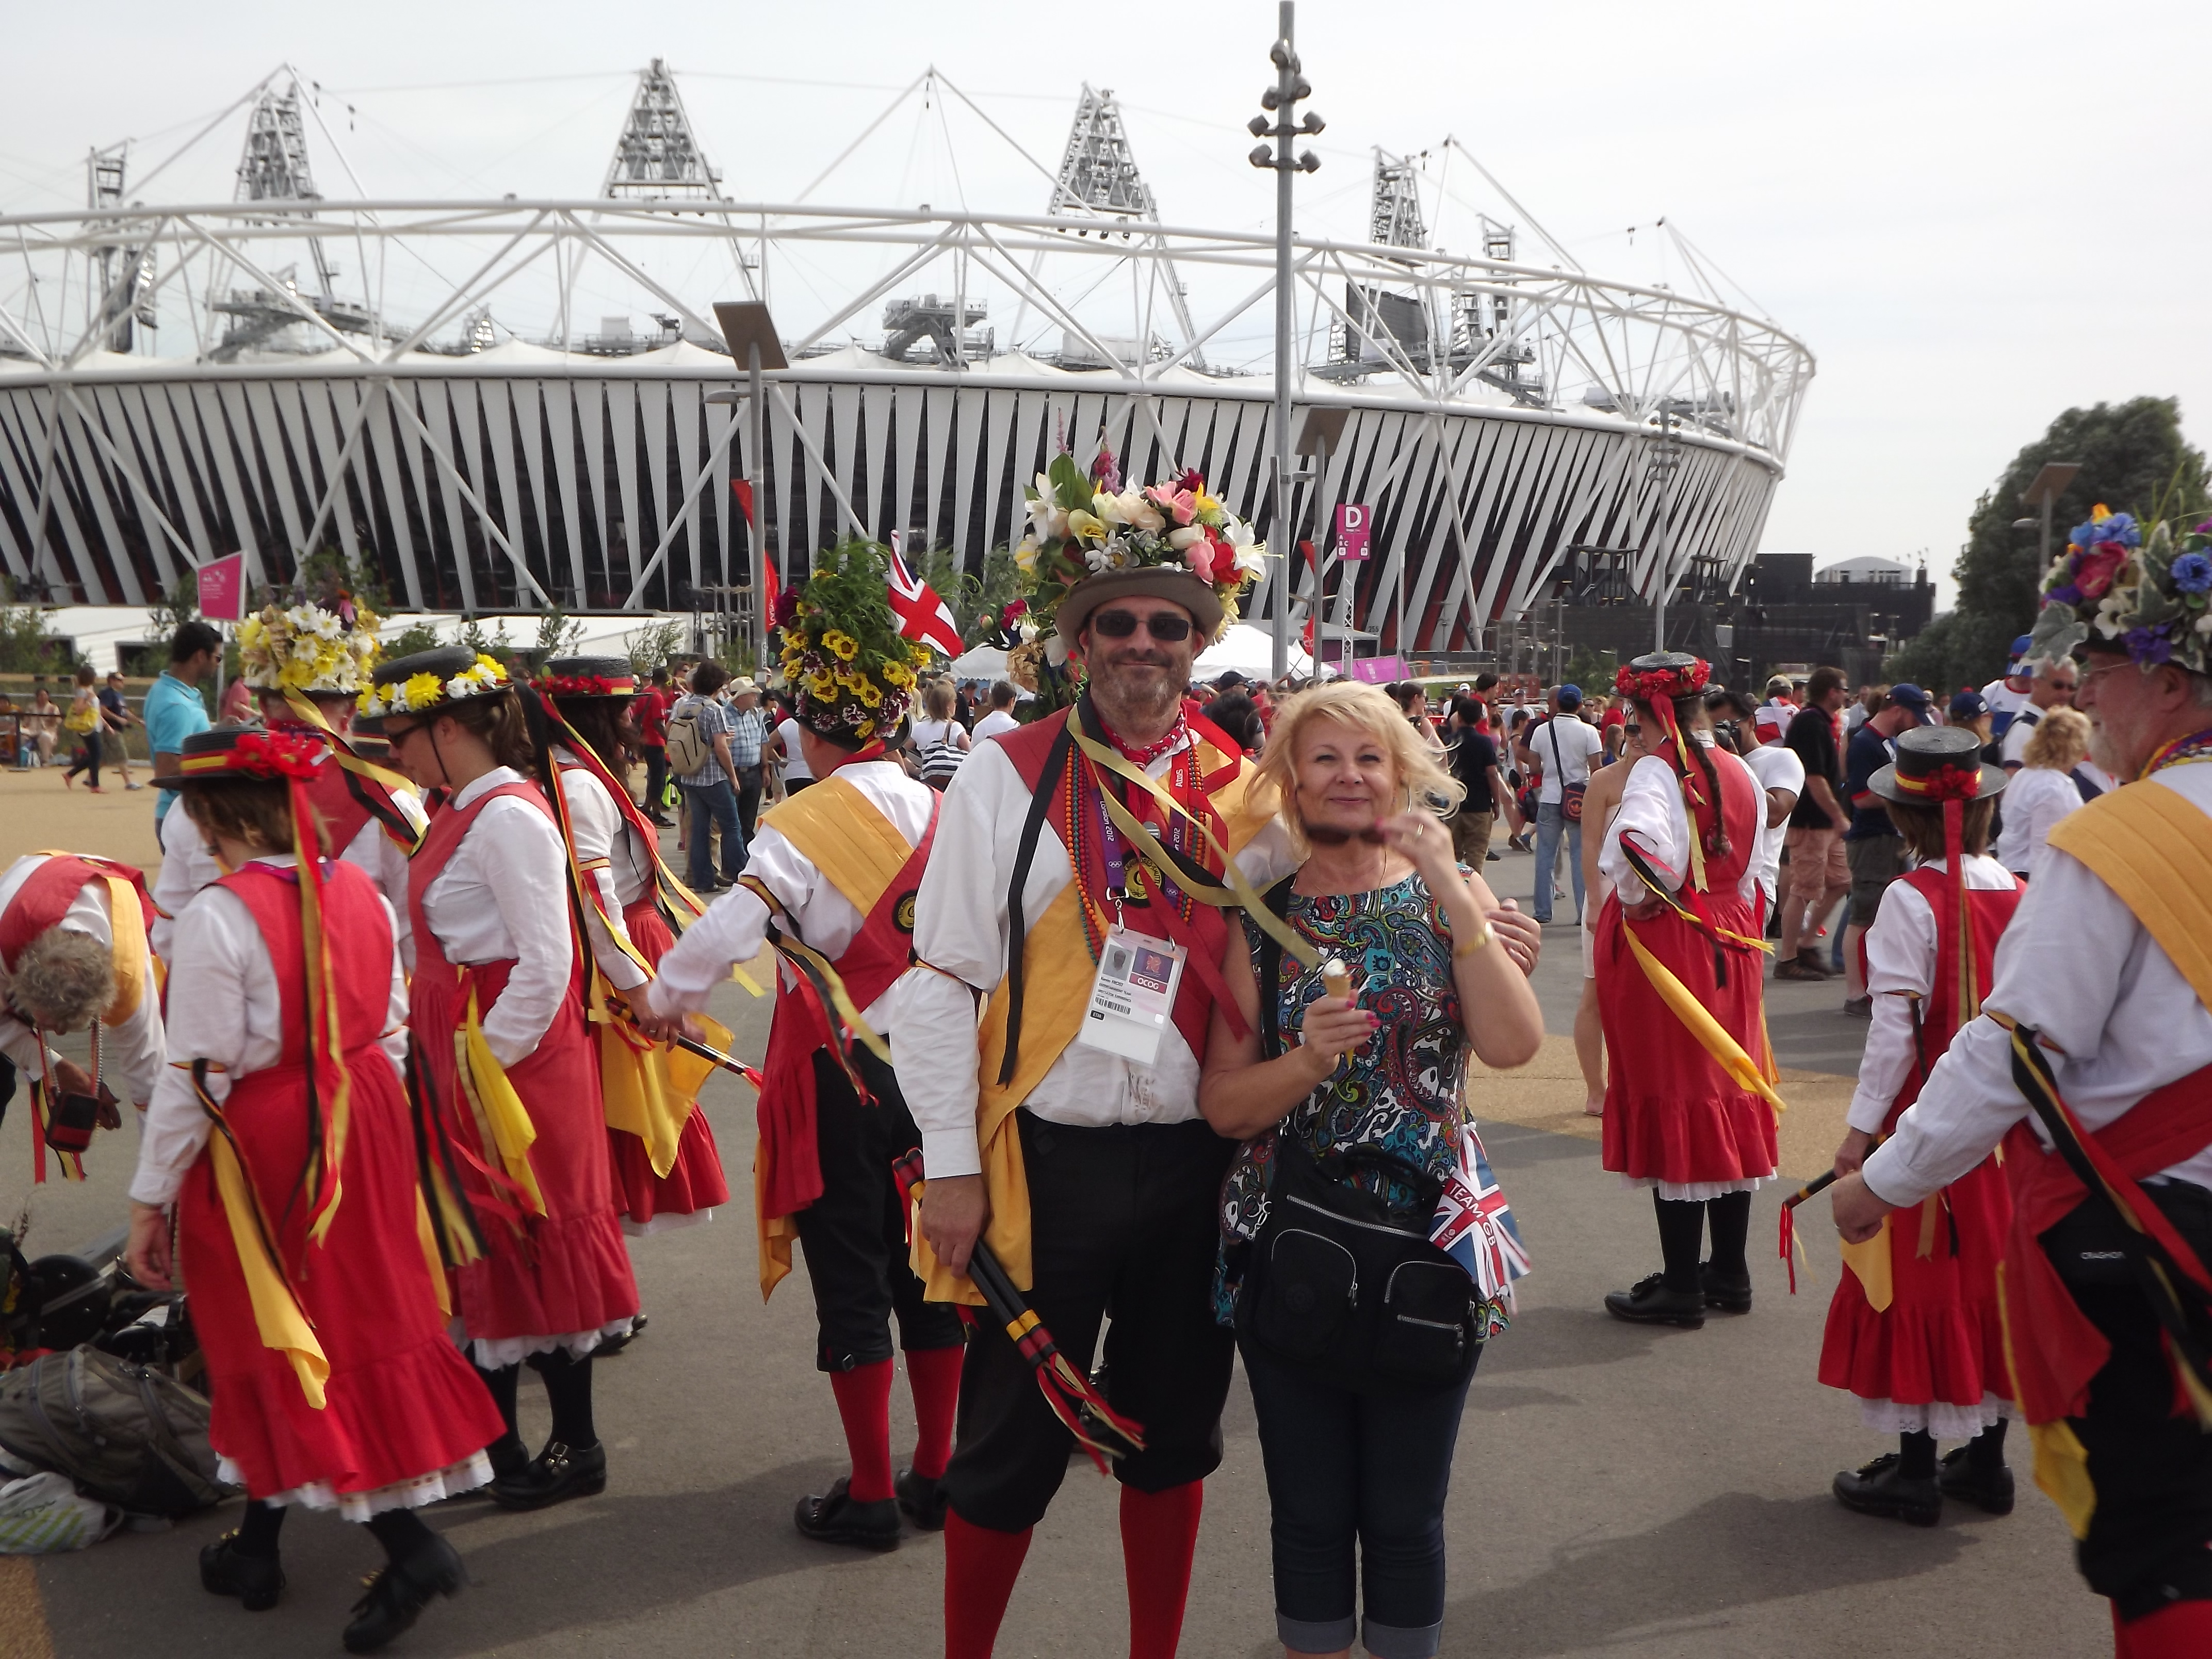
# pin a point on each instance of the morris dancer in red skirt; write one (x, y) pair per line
(497, 973)
(1689, 1111)
(280, 1137)
(1914, 1329)
(666, 1170)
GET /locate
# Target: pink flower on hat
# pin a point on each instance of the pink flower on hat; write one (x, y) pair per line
(2096, 573)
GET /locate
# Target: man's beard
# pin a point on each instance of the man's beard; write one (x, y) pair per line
(2105, 753)
(1125, 699)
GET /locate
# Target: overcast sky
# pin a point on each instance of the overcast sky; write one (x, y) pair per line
(1976, 215)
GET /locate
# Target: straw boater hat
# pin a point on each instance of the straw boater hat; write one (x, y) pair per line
(1934, 765)
(1091, 542)
(851, 672)
(587, 677)
(428, 680)
(2116, 590)
(326, 647)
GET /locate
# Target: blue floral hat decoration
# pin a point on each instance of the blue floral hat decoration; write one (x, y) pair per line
(2118, 589)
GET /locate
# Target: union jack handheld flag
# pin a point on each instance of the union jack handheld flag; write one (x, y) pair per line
(1475, 1226)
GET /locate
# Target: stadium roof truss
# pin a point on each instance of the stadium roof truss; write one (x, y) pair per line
(119, 469)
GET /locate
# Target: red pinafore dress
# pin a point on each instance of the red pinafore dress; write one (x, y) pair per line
(400, 1402)
(1672, 1114)
(695, 1182)
(567, 1272)
(1940, 1341)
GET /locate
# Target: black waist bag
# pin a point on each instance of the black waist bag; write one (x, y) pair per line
(1334, 1289)
(2088, 1245)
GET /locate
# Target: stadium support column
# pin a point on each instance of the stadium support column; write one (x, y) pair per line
(1279, 100)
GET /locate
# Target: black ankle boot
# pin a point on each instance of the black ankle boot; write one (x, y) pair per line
(834, 1518)
(554, 1476)
(256, 1580)
(1648, 1302)
(1882, 1488)
(1987, 1488)
(398, 1595)
(922, 1499)
(1729, 1295)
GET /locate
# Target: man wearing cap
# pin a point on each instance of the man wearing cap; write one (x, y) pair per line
(1777, 711)
(1086, 1169)
(2095, 1039)
(2051, 688)
(748, 731)
(1561, 747)
(1970, 710)
(2008, 695)
(1872, 845)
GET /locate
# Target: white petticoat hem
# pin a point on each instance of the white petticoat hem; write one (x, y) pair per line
(1940, 1419)
(497, 1353)
(1697, 1192)
(665, 1223)
(422, 1490)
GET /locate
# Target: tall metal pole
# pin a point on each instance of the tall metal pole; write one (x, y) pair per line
(756, 446)
(1666, 456)
(1277, 100)
(1285, 86)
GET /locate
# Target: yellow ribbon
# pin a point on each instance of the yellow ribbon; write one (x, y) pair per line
(501, 1115)
(1726, 1051)
(277, 1316)
(1870, 1262)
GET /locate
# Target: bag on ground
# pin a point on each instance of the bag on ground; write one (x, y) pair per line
(127, 1435)
(42, 1515)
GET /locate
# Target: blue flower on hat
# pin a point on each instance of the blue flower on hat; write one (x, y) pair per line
(2149, 646)
(2192, 574)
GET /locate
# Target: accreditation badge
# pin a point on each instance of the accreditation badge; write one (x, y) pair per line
(1133, 996)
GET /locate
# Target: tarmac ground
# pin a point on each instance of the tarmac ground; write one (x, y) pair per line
(1618, 1491)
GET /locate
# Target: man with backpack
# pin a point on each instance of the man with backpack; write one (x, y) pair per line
(699, 755)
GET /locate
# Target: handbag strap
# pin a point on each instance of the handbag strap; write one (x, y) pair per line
(1269, 961)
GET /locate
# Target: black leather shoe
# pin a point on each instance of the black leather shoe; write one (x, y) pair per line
(554, 1476)
(256, 1580)
(1877, 1488)
(1648, 1302)
(1989, 1490)
(920, 1500)
(614, 1344)
(832, 1517)
(1729, 1295)
(398, 1595)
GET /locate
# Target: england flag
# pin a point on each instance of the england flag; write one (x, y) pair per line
(921, 615)
(1475, 1226)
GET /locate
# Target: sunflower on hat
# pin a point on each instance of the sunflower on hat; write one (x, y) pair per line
(1086, 526)
(2117, 589)
(842, 654)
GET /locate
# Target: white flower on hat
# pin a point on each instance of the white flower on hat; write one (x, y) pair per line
(1185, 537)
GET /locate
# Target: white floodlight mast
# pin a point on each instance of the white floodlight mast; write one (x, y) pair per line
(657, 154)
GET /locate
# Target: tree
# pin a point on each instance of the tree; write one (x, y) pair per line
(180, 604)
(2133, 459)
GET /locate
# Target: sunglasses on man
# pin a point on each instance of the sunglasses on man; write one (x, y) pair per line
(1122, 624)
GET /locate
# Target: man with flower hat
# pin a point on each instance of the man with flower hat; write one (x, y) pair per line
(306, 662)
(1082, 1160)
(830, 881)
(2092, 1063)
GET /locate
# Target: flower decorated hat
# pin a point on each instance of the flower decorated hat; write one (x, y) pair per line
(1091, 541)
(1659, 676)
(1937, 764)
(430, 679)
(320, 647)
(2116, 590)
(587, 676)
(849, 669)
(245, 754)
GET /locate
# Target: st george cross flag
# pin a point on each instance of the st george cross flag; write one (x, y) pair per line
(921, 615)
(1474, 1226)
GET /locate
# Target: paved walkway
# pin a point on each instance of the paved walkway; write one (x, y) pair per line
(1618, 1491)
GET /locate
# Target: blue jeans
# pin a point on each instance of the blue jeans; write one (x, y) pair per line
(1346, 1474)
(709, 806)
(1550, 820)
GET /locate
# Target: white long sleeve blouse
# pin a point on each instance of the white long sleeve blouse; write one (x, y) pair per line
(2034, 802)
(610, 858)
(1652, 810)
(224, 1008)
(501, 898)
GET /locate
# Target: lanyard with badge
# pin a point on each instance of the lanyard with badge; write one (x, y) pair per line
(1133, 993)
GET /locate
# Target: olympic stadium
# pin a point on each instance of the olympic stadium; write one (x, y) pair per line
(506, 405)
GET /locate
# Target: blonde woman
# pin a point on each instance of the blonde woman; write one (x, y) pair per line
(2042, 791)
(1350, 1106)
(86, 724)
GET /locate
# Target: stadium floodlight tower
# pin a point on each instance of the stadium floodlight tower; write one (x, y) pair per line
(658, 156)
(1395, 213)
(1099, 180)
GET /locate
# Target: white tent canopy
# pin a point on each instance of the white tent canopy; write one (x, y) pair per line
(1251, 652)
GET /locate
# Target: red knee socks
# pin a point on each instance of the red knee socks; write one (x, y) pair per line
(933, 1374)
(981, 1566)
(1159, 1532)
(2183, 1630)
(864, 1401)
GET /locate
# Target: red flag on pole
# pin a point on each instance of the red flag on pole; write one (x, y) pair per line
(921, 615)
(743, 489)
(768, 592)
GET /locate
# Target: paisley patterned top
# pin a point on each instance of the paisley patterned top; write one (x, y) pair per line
(1399, 1094)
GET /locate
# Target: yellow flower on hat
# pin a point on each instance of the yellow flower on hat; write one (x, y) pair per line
(844, 645)
(421, 692)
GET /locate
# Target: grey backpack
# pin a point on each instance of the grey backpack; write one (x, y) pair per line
(126, 1434)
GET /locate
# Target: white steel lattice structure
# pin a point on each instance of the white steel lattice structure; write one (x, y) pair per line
(577, 462)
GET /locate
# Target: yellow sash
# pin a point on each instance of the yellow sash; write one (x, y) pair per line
(1057, 972)
(126, 926)
(2153, 847)
(649, 1091)
(277, 1315)
(1712, 1036)
(840, 833)
(502, 1119)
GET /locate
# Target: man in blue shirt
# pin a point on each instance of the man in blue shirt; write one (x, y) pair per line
(1872, 844)
(174, 709)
